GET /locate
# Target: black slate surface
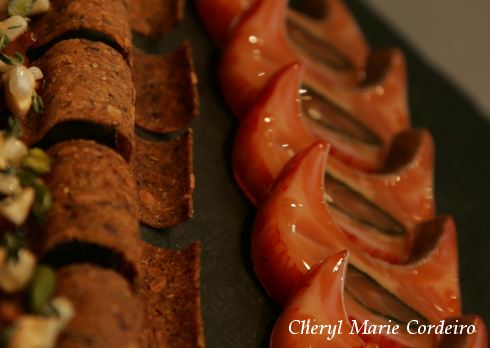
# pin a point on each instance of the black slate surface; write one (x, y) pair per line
(236, 311)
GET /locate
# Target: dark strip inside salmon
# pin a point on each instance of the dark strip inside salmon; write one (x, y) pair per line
(371, 295)
(329, 115)
(319, 49)
(377, 67)
(315, 9)
(342, 197)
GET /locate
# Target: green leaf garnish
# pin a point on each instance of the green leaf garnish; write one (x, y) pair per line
(16, 59)
(37, 103)
(40, 289)
(4, 41)
(13, 244)
(42, 199)
(13, 129)
(36, 161)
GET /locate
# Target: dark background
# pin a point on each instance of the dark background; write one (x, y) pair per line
(236, 311)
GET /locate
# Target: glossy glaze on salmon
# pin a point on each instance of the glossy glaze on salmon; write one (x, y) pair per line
(304, 82)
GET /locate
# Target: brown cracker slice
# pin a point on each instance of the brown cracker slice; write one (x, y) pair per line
(94, 202)
(87, 82)
(166, 95)
(105, 20)
(155, 18)
(107, 311)
(169, 287)
(165, 180)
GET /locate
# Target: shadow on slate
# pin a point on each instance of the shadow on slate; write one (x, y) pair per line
(236, 311)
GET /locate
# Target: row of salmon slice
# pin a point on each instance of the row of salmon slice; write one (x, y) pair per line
(305, 84)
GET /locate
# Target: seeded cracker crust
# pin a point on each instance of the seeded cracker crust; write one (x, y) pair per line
(86, 82)
(164, 179)
(169, 288)
(166, 98)
(107, 312)
(105, 20)
(93, 189)
(94, 201)
(155, 17)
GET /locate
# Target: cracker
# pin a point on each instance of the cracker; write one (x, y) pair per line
(165, 180)
(166, 95)
(105, 20)
(94, 203)
(107, 311)
(169, 287)
(85, 82)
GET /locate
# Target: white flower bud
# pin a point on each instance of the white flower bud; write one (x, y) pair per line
(16, 208)
(9, 184)
(14, 27)
(12, 150)
(20, 84)
(16, 274)
(34, 332)
(64, 308)
(36, 73)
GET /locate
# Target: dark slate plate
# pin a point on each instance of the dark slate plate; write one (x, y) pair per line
(236, 311)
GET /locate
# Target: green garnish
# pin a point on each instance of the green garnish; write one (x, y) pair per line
(13, 244)
(40, 288)
(16, 59)
(37, 103)
(4, 41)
(36, 161)
(19, 7)
(42, 199)
(42, 203)
(13, 128)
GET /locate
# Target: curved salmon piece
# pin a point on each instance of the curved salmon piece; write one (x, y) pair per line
(322, 299)
(270, 134)
(256, 51)
(294, 230)
(402, 194)
(273, 131)
(336, 25)
(219, 16)
(330, 20)
(318, 300)
(378, 101)
(329, 41)
(260, 47)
